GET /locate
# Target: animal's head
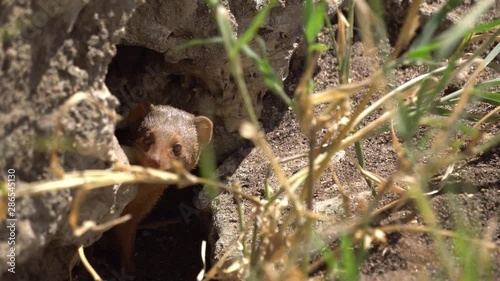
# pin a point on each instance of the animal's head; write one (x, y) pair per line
(163, 134)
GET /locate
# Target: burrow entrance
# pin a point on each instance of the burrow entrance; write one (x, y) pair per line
(169, 240)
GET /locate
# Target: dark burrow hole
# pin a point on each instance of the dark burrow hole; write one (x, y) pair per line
(168, 243)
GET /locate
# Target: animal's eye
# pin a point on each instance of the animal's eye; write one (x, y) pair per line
(177, 148)
(148, 139)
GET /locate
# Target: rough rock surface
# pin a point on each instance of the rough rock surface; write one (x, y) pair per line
(49, 51)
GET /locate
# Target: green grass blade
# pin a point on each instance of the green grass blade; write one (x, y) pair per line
(271, 78)
(491, 25)
(314, 20)
(451, 37)
(493, 54)
(407, 123)
(492, 98)
(361, 160)
(432, 25)
(489, 83)
(422, 52)
(198, 42)
(253, 28)
(349, 259)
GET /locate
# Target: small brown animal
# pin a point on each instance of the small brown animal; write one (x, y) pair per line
(160, 134)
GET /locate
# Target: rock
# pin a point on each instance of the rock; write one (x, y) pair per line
(330, 207)
(51, 50)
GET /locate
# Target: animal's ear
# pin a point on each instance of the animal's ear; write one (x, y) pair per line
(137, 114)
(204, 129)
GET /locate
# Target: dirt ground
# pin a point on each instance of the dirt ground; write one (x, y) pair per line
(172, 251)
(470, 200)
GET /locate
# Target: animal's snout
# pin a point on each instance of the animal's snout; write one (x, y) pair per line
(153, 163)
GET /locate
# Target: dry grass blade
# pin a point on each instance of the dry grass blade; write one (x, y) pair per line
(343, 26)
(92, 226)
(367, 22)
(386, 116)
(408, 29)
(98, 179)
(212, 273)
(257, 137)
(252, 199)
(380, 181)
(486, 117)
(442, 138)
(388, 208)
(383, 185)
(483, 37)
(345, 198)
(447, 233)
(367, 130)
(339, 92)
(404, 164)
(303, 97)
(203, 254)
(336, 145)
(87, 265)
(93, 179)
(241, 213)
(484, 255)
(399, 90)
(75, 208)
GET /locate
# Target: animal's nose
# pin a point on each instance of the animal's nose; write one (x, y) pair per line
(153, 163)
